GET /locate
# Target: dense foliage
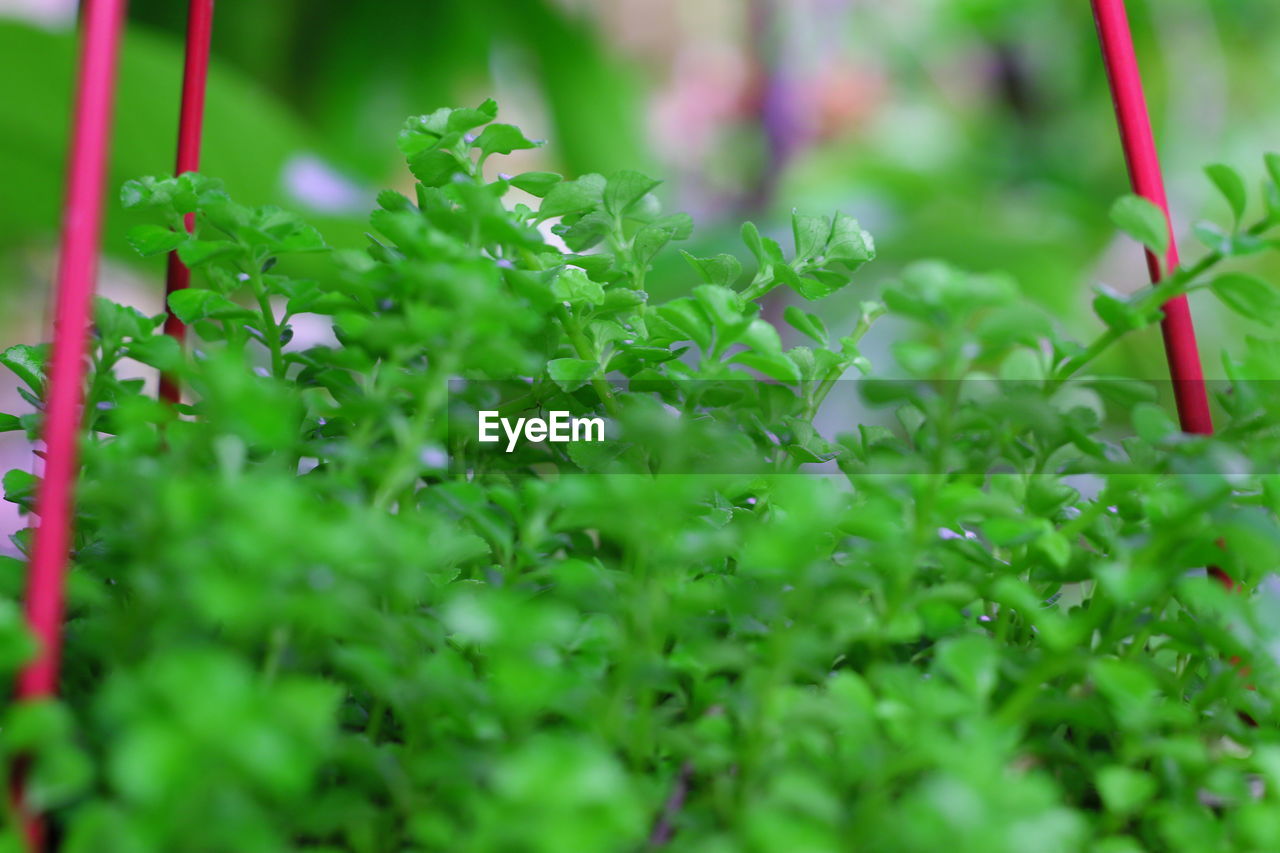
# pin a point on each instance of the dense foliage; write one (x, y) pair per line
(984, 625)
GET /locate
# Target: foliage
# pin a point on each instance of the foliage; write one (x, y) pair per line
(294, 624)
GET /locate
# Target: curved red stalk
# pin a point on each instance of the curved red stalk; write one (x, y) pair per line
(1140, 155)
(102, 23)
(194, 76)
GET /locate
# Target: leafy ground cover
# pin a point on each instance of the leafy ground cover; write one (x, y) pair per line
(987, 626)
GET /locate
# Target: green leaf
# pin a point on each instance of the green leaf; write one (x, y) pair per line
(1125, 790)
(1152, 424)
(193, 253)
(20, 487)
(1143, 221)
(1117, 312)
(650, 240)
(1248, 295)
(721, 304)
(465, 118)
(159, 351)
(573, 286)
(774, 365)
(624, 189)
(811, 234)
(571, 373)
(1272, 161)
(435, 168)
(27, 363)
(1231, 186)
(536, 183)
(502, 139)
(972, 662)
(761, 336)
(850, 246)
(191, 305)
(9, 423)
(149, 240)
(751, 237)
(687, 318)
(568, 197)
(723, 269)
(116, 322)
(806, 323)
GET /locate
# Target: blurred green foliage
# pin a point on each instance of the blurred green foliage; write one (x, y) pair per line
(293, 625)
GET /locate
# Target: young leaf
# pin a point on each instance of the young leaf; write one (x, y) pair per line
(1248, 295)
(571, 373)
(811, 234)
(624, 189)
(149, 240)
(849, 246)
(1143, 221)
(723, 269)
(193, 253)
(27, 363)
(465, 118)
(536, 183)
(1272, 161)
(573, 286)
(1232, 187)
(806, 323)
(572, 196)
(502, 139)
(190, 305)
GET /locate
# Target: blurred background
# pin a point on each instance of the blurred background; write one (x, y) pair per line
(976, 131)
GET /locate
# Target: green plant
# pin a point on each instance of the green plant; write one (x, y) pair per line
(294, 624)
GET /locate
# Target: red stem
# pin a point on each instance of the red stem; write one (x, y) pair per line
(1140, 155)
(194, 76)
(102, 23)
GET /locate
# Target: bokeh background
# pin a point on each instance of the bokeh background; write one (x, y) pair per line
(975, 131)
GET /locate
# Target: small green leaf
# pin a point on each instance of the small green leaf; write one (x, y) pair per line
(774, 365)
(624, 189)
(972, 662)
(1272, 161)
(721, 304)
(1152, 424)
(687, 318)
(1248, 295)
(573, 286)
(573, 196)
(159, 351)
(723, 269)
(1232, 187)
(20, 487)
(811, 234)
(149, 240)
(536, 183)
(1116, 312)
(850, 246)
(190, 305)
(502, 139)
(806, 323)
(193, 253)
(27, 363)
(1143, 221)
(571, 373)
(435, 167)
(1125, 790)
(465, 118)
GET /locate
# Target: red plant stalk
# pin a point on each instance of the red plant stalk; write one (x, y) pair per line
(102, 22)
(1140, 155)
(195, 73)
